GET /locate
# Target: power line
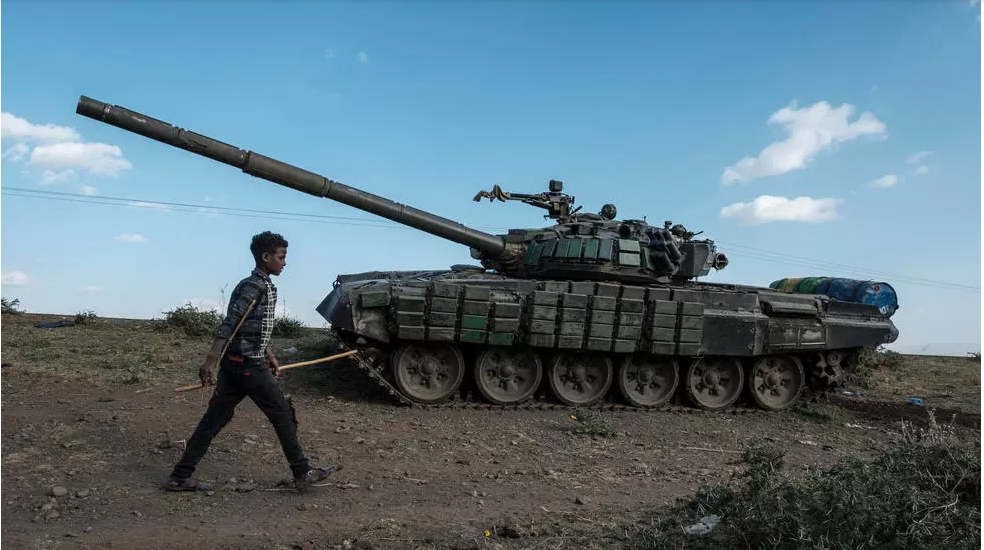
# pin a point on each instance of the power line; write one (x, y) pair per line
(743, 251)
(859, 272)
(759, 252)
(198, 208)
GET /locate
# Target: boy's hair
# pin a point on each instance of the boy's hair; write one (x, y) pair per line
(266, 242)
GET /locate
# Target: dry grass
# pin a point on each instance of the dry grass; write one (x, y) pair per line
(950, 382)
(127, 351)
(120, 351)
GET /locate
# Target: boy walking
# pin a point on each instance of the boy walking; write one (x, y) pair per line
(248, 368)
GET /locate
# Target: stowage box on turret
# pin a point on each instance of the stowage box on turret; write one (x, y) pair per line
(589, 311)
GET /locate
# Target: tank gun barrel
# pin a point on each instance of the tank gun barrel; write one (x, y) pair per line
(279, 172)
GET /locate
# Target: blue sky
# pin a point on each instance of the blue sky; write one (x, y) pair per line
(711, 114)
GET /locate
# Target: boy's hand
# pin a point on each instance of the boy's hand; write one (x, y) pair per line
(273, 365)
(207, 372)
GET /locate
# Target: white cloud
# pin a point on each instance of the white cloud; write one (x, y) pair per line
(16, 152)
(767, 208)
(131, 237)
(916, 157)
(18, 128)
(50, 177)
(974, 2)
(811, 130)
(154, 205)
(61, 150)
(89, 190)
(15, 278)
(90, 289)
(329, 54)
(885, 181)
(363, 58)
(98, 158)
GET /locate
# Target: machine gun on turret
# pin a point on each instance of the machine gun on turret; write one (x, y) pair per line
(555, 202)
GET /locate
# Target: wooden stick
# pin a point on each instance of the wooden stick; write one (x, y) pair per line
(712, 450)
(224, 348)
(235, 330)
(285, 367)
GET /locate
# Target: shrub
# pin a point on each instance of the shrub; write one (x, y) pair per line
(10, 306)
(873, 359)
(199, 323)
(193, 321)
(881, 358)
(923, 491)
(84, 317)
(287, 327)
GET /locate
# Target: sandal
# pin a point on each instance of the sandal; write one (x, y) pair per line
(313, 476)
(178, 484)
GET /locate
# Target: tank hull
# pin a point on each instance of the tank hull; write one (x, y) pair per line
(462, 319)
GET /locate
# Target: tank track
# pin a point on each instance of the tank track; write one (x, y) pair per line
(539, 402)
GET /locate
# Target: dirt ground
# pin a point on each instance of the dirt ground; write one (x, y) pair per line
(92, 426)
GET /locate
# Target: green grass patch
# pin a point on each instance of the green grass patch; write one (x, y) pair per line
(587, 422)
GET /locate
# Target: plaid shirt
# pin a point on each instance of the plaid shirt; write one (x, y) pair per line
(253, 337)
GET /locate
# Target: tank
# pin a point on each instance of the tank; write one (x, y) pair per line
(584, 311)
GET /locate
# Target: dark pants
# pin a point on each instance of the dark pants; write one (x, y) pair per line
(234, 382)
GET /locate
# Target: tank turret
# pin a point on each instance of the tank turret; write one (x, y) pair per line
(579, 246)
(589, 246)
